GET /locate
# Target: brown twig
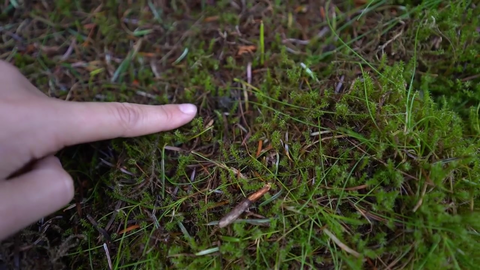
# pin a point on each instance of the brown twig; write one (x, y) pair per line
(241, 207)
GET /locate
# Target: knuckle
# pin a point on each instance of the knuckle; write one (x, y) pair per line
(127, 115)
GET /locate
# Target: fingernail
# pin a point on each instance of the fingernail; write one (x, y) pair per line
(188, 108)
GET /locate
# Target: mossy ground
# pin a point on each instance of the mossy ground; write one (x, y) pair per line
(364, 117)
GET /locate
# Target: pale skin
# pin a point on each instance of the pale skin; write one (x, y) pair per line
(34, 127)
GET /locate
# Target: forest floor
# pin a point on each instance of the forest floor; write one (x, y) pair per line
(355, 125)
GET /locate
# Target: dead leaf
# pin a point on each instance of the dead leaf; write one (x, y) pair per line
(48, 50)
(301, 9)
(259, 148)
(246, 49)
(322, 12)
(211, 19)
(359, 3)
(89, 26)
(147, 54)
(133, 227)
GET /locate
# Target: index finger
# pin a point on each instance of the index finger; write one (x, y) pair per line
(81, 122)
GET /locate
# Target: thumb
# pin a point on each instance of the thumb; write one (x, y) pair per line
(33, 195)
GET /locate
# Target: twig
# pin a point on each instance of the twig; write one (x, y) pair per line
(108, 256)
(241, 207)
(390, 41)
(340, 244)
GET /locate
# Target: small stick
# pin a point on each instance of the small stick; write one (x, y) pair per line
(109, 260)
(100, 230)
(340, 244)
(241, 207)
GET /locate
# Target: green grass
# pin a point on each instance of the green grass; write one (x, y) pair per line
(368, 134)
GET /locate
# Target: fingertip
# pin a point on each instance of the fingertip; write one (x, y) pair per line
(64, 181)
(188, 109)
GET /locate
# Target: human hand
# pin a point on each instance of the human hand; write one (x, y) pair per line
(33, 127)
